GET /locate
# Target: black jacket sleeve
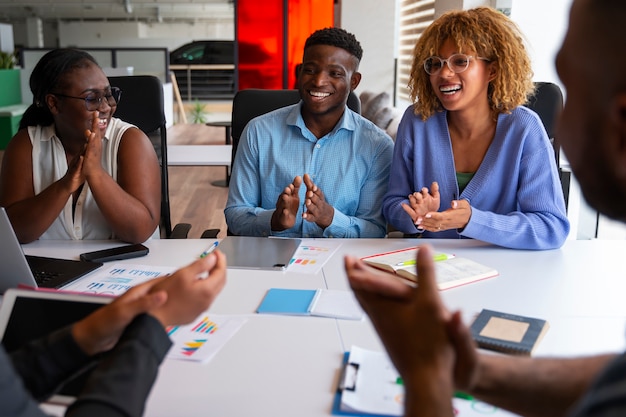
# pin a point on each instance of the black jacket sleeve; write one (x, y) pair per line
(121, 382)
(35, 371)
(45, 363)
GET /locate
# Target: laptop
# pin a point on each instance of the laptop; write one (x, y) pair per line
(246, 252)
(26, 315)
(34, 271)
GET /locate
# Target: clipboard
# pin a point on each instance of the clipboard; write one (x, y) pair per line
(348, 382)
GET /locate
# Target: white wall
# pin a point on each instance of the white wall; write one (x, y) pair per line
(544, 32)
(131, 34)
(373, 23)
(6, 38)
(138, 34)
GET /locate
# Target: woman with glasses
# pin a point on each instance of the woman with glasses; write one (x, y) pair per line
(73, 171)
(469, 160)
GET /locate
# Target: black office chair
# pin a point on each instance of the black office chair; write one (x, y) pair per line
(250, 103)
(547, 102)
(142, 105)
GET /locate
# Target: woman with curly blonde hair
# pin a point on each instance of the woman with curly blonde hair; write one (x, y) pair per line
(468, 140)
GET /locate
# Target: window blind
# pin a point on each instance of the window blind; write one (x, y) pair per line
(414, 17)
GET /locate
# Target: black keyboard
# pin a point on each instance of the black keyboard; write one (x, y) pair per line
(43, 276)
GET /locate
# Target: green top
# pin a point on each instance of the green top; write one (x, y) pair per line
(463, 178)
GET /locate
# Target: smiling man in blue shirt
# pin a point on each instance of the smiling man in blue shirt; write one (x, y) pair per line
(316, 168)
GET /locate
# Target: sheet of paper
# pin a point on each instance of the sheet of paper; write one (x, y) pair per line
(117, 278)
(312, 254)
(340, 304)
(200, 340)
(377, 390)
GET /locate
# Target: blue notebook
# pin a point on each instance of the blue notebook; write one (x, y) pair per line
(287, 301)
(321, 302)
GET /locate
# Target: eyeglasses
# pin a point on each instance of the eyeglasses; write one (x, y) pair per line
(94, 101)
(457, 63)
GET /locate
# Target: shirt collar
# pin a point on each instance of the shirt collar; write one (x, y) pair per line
(347, 120)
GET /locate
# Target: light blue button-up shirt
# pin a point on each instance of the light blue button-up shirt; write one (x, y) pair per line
(350, 165)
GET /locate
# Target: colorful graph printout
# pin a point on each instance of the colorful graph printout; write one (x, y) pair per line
(200, 340)
(117, 278)
(312, 254)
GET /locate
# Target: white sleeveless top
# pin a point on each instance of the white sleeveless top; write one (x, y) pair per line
(50, 165)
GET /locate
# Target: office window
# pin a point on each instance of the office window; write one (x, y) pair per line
(414, 17)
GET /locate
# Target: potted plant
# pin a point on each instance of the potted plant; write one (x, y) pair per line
(7, 60)
(197, 113)
(9, 80)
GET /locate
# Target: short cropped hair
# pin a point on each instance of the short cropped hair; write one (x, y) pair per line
(336, 37)
(487, 33)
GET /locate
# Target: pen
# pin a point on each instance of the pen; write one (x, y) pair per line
(437, 257)
(209, 250)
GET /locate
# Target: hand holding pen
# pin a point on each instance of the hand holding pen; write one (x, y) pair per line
(204, 254)
(210, 249)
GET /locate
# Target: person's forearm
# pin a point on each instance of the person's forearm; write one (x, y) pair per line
(137, 223)
(45, 363)
(429, 398)
(344, 226)
(535, 387)
(33, 216)
(121, 382)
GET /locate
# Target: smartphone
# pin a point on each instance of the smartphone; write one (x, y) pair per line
(114, 254)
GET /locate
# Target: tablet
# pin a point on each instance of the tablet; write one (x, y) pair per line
(27, 314)
(247, 252)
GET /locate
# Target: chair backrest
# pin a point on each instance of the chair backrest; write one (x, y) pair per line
(141, 104)
(250, 103)
(547, 102)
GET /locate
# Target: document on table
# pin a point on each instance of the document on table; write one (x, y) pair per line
(312, 254)
(117, 278)
(202, 339)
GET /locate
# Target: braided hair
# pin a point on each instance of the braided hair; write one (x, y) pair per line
(48, 76)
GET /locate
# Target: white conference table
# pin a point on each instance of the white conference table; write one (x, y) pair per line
(289, 365)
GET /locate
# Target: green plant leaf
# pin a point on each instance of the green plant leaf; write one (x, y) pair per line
(198, 114)
(7, 60)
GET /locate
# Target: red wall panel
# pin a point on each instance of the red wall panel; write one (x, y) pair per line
(270, 37)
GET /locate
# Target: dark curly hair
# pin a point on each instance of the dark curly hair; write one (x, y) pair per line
(49, 76)
(336, 37)
(485, 32)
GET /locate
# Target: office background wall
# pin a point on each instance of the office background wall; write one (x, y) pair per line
(372, 21)
(126, 34)
(544, 32)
